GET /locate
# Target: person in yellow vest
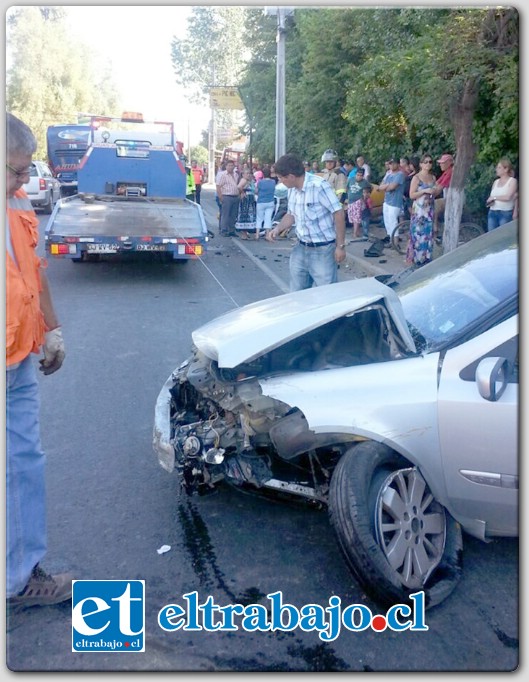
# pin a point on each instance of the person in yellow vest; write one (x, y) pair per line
(31, 325)
(190, 184)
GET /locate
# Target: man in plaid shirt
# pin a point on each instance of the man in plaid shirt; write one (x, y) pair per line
(319, 219)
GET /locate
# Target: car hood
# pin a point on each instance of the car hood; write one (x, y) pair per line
(244, 334)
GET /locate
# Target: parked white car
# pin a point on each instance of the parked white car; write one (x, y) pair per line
(394, 405)
(42, 188)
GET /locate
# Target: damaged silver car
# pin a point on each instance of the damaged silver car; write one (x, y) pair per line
(393, 405)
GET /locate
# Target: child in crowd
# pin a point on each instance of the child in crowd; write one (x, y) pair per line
(355, 187)
(366, 211)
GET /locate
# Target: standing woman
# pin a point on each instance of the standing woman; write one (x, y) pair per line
(265, 202)
(420, 246)
(503, 195)
(246, 216)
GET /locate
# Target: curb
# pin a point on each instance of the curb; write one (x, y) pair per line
(361, 262)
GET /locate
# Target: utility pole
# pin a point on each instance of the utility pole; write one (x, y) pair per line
(282, 13)
(280, 84)
(212, 141)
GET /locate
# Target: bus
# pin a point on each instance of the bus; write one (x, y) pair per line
(66, 146)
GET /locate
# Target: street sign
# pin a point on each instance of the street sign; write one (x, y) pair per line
(225, 98)
(225, 134)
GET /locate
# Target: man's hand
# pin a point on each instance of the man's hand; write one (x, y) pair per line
(340, 254)
(271, 234)
(53, 351)
(282, 228)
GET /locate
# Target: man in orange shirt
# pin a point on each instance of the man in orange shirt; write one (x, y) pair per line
(199, 179)
(31, 324)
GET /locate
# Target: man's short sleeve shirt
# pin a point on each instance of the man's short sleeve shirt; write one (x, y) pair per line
(395, 197)
(313, 208)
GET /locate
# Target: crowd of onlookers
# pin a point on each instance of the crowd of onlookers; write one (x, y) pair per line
(252, 200)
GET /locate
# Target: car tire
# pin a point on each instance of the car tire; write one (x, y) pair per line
(48, 208)
(367, 533)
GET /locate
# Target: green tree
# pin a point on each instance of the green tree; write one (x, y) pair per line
(258, 85)
(395, 81)
(199, 154)
(443, 88)
(50, 77)
(212, 53)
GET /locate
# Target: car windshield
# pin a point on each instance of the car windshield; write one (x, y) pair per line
(462, 287)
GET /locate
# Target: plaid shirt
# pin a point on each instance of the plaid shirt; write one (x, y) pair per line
(313, 208)
(227, 184)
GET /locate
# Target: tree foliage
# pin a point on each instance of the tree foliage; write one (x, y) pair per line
(378, 81)
(400, 81)
(212, 53)
(199, 154)
(51, 77)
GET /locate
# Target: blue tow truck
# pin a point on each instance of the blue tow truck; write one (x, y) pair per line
(131, 196)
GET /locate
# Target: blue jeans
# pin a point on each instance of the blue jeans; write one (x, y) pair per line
(365, 226)
(312, 266)
(497, 218)
(25, 483)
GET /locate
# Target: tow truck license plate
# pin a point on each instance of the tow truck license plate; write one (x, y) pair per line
(150, 247)
(102, 248)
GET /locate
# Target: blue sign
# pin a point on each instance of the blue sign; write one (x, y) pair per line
(108, 615)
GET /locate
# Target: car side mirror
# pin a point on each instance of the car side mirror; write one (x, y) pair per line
(491, 378)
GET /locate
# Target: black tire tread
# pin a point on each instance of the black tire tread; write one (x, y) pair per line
(349, 517)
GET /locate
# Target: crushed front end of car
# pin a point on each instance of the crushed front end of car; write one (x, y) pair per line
(222, 427)
(236, 412)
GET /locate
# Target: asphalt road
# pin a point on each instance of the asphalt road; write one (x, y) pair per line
(126, 326)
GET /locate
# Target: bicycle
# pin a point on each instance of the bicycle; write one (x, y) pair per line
(401, 234)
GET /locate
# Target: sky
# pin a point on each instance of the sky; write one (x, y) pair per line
(136, 41)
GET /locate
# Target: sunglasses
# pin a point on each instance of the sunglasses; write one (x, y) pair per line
(19, 173)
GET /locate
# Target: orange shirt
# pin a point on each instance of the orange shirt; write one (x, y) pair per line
(198, 175)
(25, 326)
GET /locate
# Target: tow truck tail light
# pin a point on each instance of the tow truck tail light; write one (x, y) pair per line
(62, 249)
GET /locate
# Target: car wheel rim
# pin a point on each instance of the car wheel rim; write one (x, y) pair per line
(410, 527)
